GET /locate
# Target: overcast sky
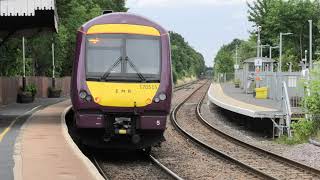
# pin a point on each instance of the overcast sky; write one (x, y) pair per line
(205, 24)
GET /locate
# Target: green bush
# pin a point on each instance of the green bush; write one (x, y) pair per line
(32, 89)
(302, 130)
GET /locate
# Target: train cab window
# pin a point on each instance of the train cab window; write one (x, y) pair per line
(145, 54)
(123, 57)
(101, 54)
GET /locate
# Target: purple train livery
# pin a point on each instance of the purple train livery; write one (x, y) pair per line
(121, 82)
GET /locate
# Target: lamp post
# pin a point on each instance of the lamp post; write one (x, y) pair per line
(270, 50)
(258, 41)
(310, 44)
(53, 67)
(24, 64)
(280, 56)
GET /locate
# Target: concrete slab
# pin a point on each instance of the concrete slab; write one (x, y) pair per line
(232, 99)
(45, 151)
(12, 117)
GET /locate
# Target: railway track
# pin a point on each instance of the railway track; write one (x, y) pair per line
(150, 158)
(165, 169)
(183, 86)
(258, 161)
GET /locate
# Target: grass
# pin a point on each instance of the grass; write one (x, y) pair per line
(302, 131)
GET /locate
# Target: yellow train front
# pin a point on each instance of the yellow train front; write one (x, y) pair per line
(121, 82)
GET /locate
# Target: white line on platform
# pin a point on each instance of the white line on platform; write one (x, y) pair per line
(2, 135)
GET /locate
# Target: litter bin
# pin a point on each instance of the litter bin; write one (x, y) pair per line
(261, 93)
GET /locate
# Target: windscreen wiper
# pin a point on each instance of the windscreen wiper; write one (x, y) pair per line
(143, 79)
(108, 72)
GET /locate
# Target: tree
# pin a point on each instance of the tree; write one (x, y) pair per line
(186, 61)
(275, 16)
(72, 14)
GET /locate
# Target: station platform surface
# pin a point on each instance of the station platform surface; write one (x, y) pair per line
(44, 149)
(226, 96)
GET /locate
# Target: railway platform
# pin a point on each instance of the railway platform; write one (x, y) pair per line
(44, 149)
(226, 96)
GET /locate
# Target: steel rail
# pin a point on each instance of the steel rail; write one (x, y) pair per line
(164, 168)
(247, 145)
(177, 88)
(173, 119)
(153, 159)
(104, 175)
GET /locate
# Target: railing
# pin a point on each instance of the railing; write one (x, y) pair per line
(286, 107)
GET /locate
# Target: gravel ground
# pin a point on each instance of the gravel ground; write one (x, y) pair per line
(190, 161)
(304, 153)
(130, 165)
(133, 165)
(189, 122)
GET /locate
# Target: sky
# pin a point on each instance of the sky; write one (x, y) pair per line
(205, 24)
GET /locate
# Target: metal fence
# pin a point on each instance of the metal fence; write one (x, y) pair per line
(9, 87)
(273, 80)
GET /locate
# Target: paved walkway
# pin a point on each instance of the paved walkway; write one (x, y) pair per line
(45, 150)
(12, 117)
(234, 100)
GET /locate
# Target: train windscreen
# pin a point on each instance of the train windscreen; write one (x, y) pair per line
(123, 57)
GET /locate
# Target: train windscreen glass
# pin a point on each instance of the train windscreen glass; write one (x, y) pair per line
(123, 57)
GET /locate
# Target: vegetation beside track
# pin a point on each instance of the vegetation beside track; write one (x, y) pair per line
(275, 16)
(306, 128)
(72, 14)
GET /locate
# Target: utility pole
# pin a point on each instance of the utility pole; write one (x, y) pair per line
(280, 53)
(258, 42)
(310, 45)
(237, 54)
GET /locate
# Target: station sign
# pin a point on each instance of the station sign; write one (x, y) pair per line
(258, 62)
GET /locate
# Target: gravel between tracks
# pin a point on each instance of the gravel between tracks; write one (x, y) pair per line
(304, 153)
(134, 165)
(130, 165)
(190, 161)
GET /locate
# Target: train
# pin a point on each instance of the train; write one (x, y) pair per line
(121, 86)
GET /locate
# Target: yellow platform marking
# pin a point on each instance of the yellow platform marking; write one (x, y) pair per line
(218, 93)
(123, 94)
(2, 135)
(123, 29)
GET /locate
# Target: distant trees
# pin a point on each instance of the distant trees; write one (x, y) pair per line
(72, 14)
(186, 61)
(275, 16)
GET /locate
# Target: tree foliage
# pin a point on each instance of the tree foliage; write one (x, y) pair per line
(72, 14)
(225, 58)
(186, 61)
(275, 16)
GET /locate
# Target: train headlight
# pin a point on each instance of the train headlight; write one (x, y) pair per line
(89, 98)
(83, 94)
(156, 100)
(162, 97)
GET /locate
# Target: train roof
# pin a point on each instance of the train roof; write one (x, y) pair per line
(123, 18)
